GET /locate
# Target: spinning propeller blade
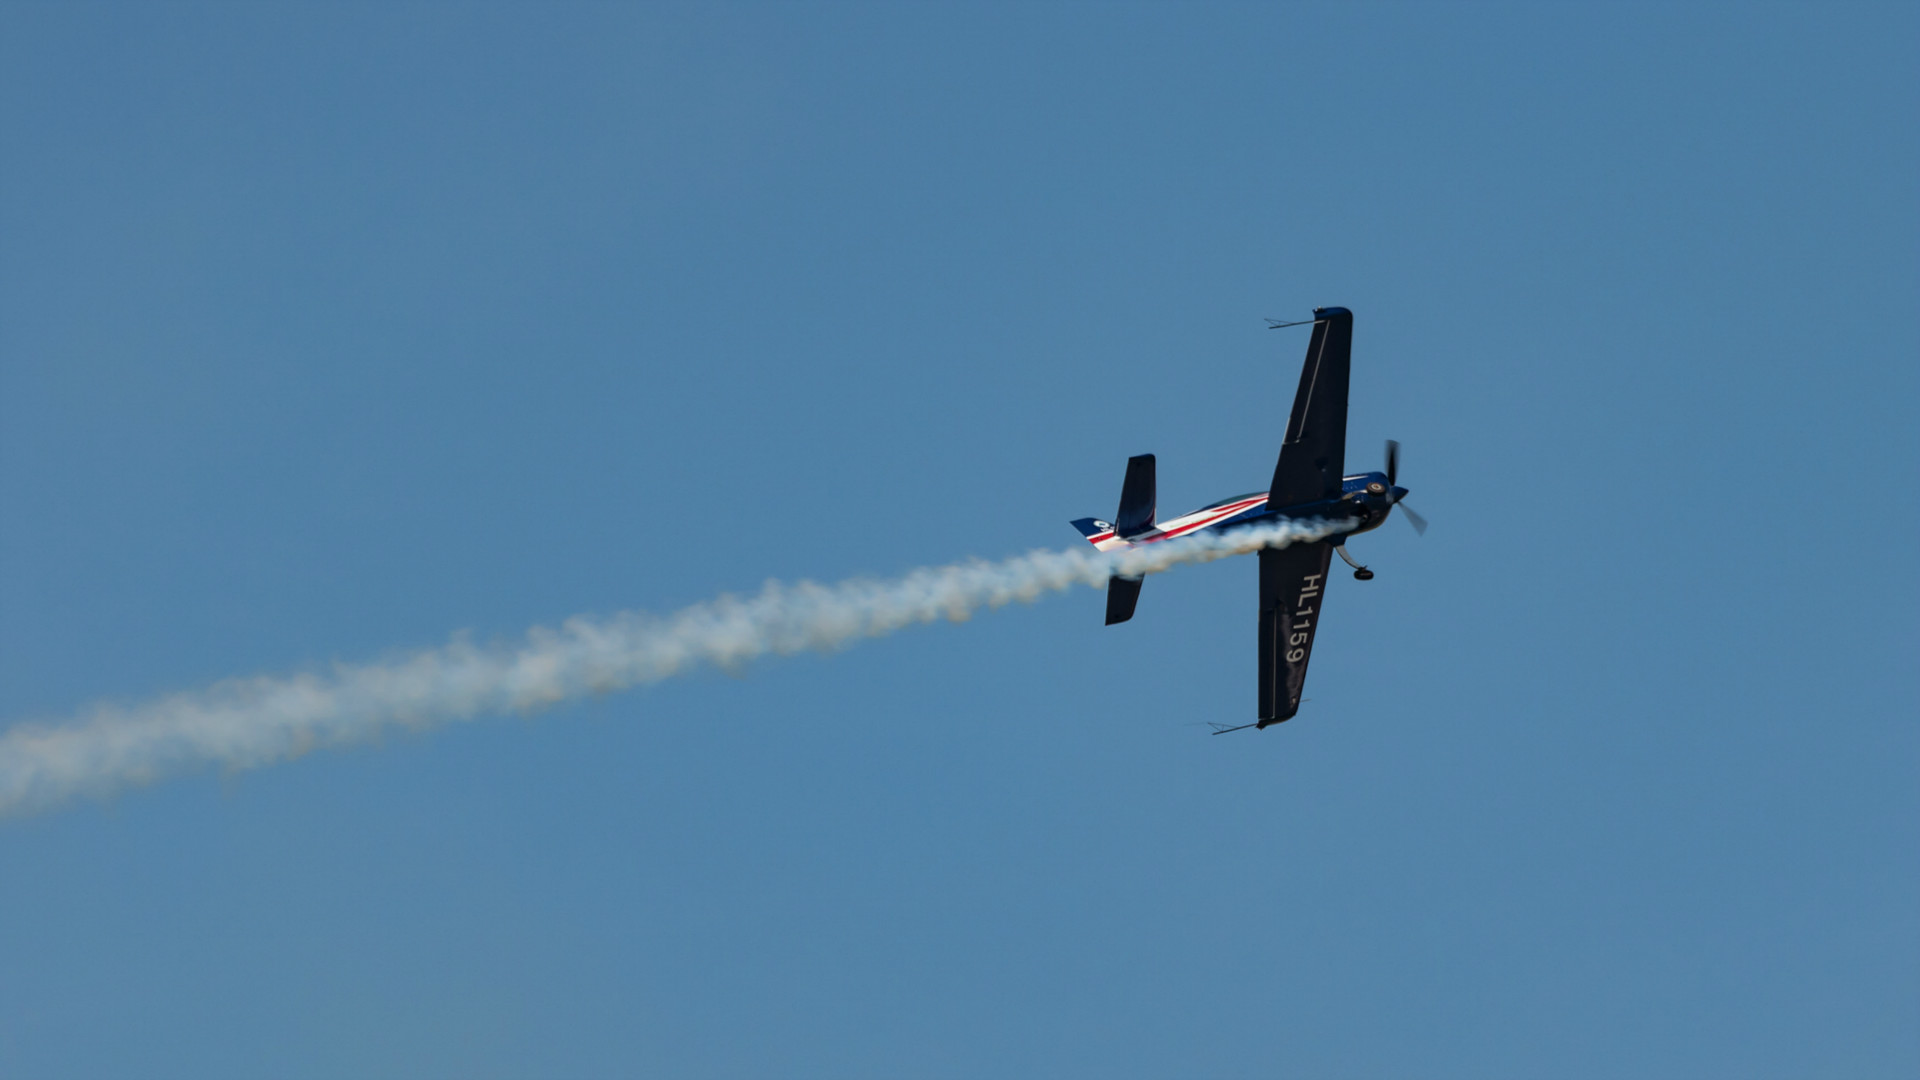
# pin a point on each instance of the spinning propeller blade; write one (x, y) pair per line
(1419, 523)
(1393, 473)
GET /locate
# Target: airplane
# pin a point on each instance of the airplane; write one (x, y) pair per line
(1308, 485)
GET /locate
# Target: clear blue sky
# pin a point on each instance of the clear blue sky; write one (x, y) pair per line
(325, 333)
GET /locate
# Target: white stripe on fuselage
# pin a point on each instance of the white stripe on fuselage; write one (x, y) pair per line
(1193, 522)
(1184, 524)
(1200, 519)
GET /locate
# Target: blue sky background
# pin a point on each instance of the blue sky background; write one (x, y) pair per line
(325, 332)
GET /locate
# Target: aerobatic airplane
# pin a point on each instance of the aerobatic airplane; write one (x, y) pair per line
(1308, 485)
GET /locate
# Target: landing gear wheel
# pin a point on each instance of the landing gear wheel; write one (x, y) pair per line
(1360, 573)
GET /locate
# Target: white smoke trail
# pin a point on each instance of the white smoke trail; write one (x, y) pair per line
(243, 723)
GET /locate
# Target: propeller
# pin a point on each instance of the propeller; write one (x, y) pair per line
(1419, 523)
(1393, 472)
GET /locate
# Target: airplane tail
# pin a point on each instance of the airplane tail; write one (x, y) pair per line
(1098, 533)
(1122, 594)
(1138, 500)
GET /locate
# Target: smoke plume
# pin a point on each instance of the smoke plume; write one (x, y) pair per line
(243, 723)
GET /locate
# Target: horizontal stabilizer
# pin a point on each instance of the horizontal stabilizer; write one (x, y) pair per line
(1122, 594)
(1137, 498)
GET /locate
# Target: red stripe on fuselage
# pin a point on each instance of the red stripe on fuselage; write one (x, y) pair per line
(1225, 512)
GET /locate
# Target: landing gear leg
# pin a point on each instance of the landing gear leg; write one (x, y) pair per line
(1360, 573)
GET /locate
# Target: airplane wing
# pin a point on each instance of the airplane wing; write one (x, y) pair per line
(1292, 582)
(1313, 456)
